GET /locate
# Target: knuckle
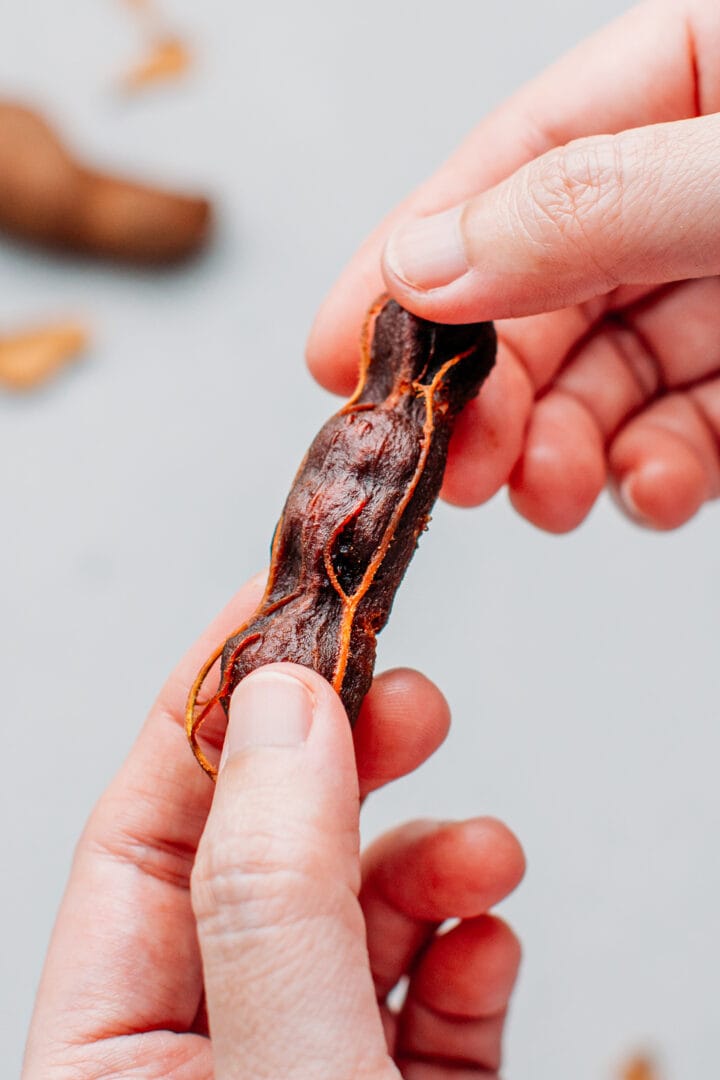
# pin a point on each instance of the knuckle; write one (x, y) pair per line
(257, 879)
(575, 188)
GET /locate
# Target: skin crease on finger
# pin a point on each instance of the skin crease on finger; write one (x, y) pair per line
(414, 878)
(658, 48)
(450, 1012)
(505, 437)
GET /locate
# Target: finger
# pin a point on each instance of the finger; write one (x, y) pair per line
(432, 1038)
(657, 63)
(402, 720)
(137, 851)
(665, 462)
(123, 955)
(468, 972)
(458, 995)
(562, 469)
(489, 433)
(275, 889)
(678, 329)
(668, 338)
(635, 208)
(417, 876)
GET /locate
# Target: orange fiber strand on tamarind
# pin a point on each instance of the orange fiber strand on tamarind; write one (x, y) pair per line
(356, 510)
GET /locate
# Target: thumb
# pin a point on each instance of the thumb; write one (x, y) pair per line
(274, 890)
(641, 207)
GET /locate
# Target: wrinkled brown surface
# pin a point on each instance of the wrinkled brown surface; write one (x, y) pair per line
(49, 198)
(356, 509)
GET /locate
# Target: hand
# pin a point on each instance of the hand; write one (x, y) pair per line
(279, 942)
(609, 358)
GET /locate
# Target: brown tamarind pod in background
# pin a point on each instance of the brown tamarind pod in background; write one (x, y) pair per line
(356, 509)
(49, 198)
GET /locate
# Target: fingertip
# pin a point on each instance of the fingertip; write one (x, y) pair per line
(426, 268)
(664, 494)
(471, 970)
(334, 347)
(508, 857)
(463, 301)
(273, 706)
(404, 718)
(562, 471)
(332, 354)
(476, 854)
(324, 696)
(664, 465)
(489, 434)
(456, 869)
(287, 755)
(289, 705)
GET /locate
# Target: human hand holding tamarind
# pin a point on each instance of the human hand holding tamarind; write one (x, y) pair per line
(357, 508)
(583, 214)
(276, 954)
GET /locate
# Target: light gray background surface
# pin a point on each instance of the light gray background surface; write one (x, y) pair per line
(139, 490)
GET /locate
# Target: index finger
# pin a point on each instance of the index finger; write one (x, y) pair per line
(658, 62)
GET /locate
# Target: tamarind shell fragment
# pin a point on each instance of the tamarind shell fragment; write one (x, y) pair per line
(357, 507)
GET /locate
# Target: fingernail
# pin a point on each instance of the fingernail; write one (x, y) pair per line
(429, 252)
(627, 499)
(268, 708)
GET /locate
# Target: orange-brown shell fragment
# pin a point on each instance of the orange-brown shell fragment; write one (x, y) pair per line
(31, 357)
(640, 1068)
(167, 58)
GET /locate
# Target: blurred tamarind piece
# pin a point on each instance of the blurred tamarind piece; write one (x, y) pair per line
(168, 58)
(49, 198)
(640, 1068)
(29, 358)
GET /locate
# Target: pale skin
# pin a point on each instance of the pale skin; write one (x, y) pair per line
(243, 936)
(585, 218)
(255, 909)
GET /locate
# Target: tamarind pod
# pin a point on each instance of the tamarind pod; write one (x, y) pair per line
(49, 198)
(356, 509)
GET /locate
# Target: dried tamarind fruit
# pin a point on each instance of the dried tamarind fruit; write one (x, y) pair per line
(357, 507)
